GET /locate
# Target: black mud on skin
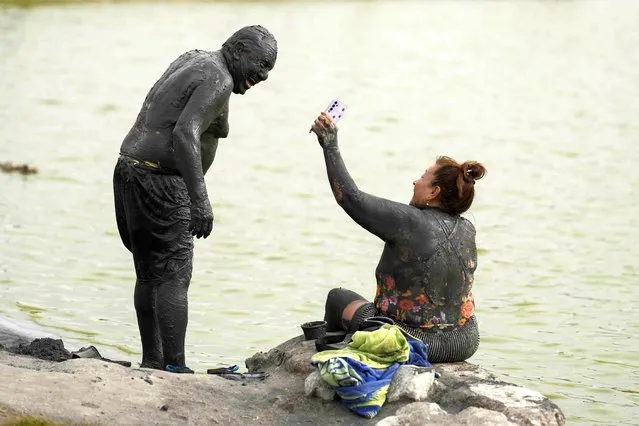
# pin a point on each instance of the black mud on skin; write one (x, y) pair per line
(177, 130)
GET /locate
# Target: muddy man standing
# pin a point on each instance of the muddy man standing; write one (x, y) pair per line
(161, 201)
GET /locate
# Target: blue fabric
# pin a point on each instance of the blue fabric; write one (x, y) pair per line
(362, 387)
(418, 354)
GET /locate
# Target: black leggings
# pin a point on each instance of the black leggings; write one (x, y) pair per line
(336, 301)
(455, 345)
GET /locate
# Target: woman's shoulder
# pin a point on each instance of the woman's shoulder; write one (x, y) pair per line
(466, 223)
(446, 221)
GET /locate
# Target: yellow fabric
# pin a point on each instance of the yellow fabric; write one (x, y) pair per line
(377, 349)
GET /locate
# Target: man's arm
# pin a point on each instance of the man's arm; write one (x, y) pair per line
(196, 117)
(389, 220)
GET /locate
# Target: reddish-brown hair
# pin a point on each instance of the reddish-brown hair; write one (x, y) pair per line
(456, 183)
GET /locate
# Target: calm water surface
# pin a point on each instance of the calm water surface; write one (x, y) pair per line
(544, 93)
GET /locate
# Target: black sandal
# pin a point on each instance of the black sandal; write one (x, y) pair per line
(231, 373)
(333, 340)
(374, 323)
(336, 340)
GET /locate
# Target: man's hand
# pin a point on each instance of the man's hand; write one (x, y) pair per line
(326, 131)
(201, 218)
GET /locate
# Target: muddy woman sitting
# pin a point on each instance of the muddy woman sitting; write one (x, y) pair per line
(425, 274)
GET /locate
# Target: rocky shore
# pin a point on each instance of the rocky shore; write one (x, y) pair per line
(95, 392)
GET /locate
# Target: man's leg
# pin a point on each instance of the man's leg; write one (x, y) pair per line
(173, 315)
(158, 215)
(145, 308)
(126, 187)
(163, 249)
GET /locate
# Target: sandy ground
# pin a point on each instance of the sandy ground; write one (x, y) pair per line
(94, 392)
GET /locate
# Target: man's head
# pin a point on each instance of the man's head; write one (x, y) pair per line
(250, 54)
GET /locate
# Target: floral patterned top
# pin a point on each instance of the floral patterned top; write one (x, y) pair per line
(431, 304)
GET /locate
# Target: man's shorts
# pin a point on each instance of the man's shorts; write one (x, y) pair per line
(152, 209)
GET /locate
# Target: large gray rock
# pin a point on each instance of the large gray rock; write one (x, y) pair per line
(93, 392)
(429, 413)
(464, 394)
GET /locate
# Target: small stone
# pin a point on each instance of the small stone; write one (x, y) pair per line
(276, 400)
(411, 382)
(164, 408)
(416, 413)
(314, 385)
(89, 404)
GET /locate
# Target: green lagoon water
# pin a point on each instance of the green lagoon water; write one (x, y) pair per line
(544, 93)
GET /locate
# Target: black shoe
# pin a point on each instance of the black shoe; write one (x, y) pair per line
(89, 352)
(92, 352)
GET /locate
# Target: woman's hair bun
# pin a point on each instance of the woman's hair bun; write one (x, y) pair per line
(472, 170)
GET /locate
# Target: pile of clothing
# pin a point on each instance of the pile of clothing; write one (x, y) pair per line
(361, 373)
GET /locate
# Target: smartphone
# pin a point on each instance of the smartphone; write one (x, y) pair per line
(336, 109)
